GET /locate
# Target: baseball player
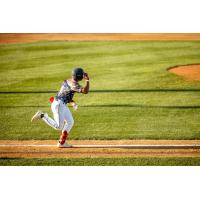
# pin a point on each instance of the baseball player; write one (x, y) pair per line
(63, 120)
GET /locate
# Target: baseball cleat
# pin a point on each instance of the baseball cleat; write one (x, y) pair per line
(65, 145)
(38, 115)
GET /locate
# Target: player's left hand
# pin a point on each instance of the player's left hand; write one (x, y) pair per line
(74, 105)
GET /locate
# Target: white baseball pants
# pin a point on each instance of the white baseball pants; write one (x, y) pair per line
(63, 119)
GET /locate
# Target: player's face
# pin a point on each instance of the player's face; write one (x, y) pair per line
(74, 79)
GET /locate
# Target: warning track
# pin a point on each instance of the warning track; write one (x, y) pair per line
(6, 38)
(100, 148)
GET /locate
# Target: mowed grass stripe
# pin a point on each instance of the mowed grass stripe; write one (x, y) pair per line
(101, 161)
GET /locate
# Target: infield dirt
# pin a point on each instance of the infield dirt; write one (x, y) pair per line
(189, 72)
(54, 152)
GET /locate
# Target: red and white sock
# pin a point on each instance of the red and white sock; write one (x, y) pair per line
(63, 137)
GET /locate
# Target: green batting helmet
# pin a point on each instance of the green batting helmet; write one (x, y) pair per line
(78, 73)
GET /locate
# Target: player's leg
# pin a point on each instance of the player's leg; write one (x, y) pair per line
(67, 127)
(58, 121)
(58, 115)
(69, 120)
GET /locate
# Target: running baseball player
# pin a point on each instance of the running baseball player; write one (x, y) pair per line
(63, 120)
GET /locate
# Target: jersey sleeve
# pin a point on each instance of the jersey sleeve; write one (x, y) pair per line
(65, 84)
(79, 88)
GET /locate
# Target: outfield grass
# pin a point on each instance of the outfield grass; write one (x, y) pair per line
(170, 161)
(132, 95)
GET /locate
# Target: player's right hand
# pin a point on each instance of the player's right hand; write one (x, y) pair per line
(85, 76)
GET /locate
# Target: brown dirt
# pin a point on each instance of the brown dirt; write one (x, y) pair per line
(54, 152)
(32, 37)
(189, 72)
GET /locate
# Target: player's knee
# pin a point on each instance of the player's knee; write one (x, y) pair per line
(59, 126)
(71, 122)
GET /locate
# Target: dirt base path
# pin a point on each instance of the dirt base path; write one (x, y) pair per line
(49, 150)
(33, 37)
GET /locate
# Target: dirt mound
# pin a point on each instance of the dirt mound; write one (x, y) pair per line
(189, 72)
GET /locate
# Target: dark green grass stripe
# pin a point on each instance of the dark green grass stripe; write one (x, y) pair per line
(139, 161)
(112, 106)
(107, 91)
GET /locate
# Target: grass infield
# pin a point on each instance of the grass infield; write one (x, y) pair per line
(132, 94)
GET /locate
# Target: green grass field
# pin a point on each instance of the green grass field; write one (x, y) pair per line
(170, 161)
(132, 94)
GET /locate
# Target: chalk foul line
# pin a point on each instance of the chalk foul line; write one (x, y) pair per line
(129, 146)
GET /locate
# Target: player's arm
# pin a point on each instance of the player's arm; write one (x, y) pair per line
(86, 88)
